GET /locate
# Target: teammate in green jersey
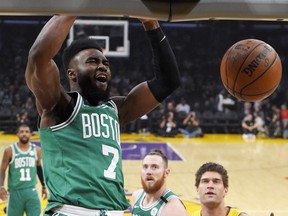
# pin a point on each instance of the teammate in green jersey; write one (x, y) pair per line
(155, 199)
(24, 161)
(79, 131)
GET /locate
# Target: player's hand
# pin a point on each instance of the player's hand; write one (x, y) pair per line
(3, 194)
(149, 24)
(44, 193)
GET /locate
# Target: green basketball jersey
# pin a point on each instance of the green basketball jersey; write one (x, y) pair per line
(155, 208)
(82, 158)
(22, 168)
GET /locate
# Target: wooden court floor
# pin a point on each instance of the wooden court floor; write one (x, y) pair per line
(258, 170)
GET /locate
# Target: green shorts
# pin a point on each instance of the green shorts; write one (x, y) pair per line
(24, 200)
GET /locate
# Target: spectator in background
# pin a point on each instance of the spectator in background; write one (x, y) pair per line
(275, 110)
(141, 125)
(285, 131)
(259, 112)
(168, 126)
(182, 110)
(29, 103)
(274, 123)
(191, 126)
(156, 118)
(197, 107)
(219, 101)
(229, 104)
(170, 107)
(7, 101)
(268, 114)
(275, 127)
(259, 121)
(22, 117)
(247, 108)
(249, 127)
(17, 102)
(284, 114)
(183, 106)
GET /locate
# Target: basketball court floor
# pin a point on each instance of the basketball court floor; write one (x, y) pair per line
(258, 170)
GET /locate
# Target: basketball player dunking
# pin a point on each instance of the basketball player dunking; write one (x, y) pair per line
(79, 130)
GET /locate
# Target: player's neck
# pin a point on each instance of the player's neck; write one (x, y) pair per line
(217, 211)
(23, 146)
(152, 198)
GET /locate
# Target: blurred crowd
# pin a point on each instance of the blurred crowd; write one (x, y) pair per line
(199, 106)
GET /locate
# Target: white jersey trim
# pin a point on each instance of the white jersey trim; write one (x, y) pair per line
(73, 115)
(76, 109)
(13, 153)
(14, 147)
(114, 106)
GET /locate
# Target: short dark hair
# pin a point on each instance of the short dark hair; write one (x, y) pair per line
(159, 153)
(75, 47)
(23, 125)
(213, 167)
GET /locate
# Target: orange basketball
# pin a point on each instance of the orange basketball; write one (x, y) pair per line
(251, 70)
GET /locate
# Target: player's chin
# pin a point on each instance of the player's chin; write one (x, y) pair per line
(102, 85)
(24, 140)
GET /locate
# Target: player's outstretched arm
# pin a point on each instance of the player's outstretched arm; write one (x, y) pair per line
(147, 95)
(42, 74)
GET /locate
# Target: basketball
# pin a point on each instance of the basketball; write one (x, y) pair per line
(251, 70)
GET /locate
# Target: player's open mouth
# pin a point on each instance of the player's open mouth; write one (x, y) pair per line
(101, 78)
(149, 179)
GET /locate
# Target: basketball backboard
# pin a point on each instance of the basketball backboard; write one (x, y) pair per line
(112, 35)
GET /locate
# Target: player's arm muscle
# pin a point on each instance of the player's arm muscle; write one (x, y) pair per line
(138, 102)
(174, 208)
(42, 74)
(7, 156)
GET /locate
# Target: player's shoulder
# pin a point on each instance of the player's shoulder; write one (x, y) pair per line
(136, 194)
(8, 151)
(174, 207)
(236, 212)
(175, 201)
(9, 148)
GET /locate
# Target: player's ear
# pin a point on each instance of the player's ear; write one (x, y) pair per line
(226, 190)
(167, 171)
(71, 74)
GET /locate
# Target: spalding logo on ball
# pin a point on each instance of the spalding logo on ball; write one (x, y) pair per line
(251, 70)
